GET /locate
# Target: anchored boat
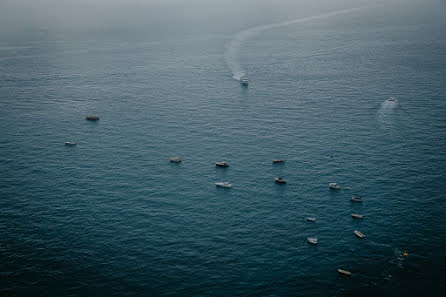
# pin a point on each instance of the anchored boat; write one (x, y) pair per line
(344, 272)
(279, 180)
(359, 234)
(223, 185)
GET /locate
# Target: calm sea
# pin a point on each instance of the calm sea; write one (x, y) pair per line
(113, 217)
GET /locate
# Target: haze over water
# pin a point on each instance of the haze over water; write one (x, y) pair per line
(113, 217)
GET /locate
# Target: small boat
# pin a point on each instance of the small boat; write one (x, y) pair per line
(175, 160)
(334, 186)
(312, 240)
(356, 199)
(223, 185)
(392, 99)
(279, 180)
(276, 161)
(244, 80)
(357, 216)
(359, 234)
(93, 117)
(311, 219)
(221, 164)
(405, 254)
(70, 143)
(344, 272)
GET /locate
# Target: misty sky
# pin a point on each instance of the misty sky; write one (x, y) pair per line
(164, 18)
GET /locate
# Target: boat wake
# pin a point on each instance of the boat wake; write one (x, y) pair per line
(232, 52)
(386, 110)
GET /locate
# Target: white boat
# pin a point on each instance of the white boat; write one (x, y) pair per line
(312, 240)
(359, 234)
(334, 186)
(70, 143)
(356, 199)
(223, 185)
(279, 180)
(221, 164)
(244, 80)
(175, 160)
(357, 216)
(344, 272)
(311, 219)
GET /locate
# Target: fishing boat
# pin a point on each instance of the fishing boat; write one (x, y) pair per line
(311, 219)
(359, 234)
(279, 180)
(357, 216)
(334, 186)
(344, 272)
(175, 160)
(221, 164)
(356, 199)
(223, 185)
(70, 143)
(92, 117)
(312, 240)
(244, 80)
(276, 161)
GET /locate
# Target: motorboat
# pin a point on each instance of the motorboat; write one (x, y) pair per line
(221, 164)
(356, 199)
(223, 185)
(93, 117)
(392, 99)
(279, 180)
(70, 143)
(359, 234)
(334, 186)
(357, 216)
(244, 80)
(344, 272)
(276, 161)
(175, 160)
(311, 219)
(312, 240)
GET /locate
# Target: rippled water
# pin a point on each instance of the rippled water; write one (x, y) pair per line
(112, 216)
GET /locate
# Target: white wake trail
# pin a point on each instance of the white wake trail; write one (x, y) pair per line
(232, 53)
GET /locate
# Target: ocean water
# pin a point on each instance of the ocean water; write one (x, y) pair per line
(113, 217)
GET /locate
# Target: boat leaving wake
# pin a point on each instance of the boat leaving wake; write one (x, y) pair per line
(232, 52)
(386, 110)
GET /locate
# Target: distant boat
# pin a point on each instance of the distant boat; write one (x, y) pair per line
(359, 234)
(275, 161)
(70, 143)
(221, 164)
(175, 160)
(334, 186)
(357, 216)
(244, 80)
(311, 219)
(93, 117)
(344, 272)
(279, 180)
(223, 185)
(356, 199)
(312, 240)
(392, 99)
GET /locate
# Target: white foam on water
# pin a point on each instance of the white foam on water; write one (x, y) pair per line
(232, 53)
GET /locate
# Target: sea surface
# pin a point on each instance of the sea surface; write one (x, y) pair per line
(113, 217)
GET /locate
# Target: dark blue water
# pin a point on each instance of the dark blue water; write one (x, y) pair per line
(112, 216)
